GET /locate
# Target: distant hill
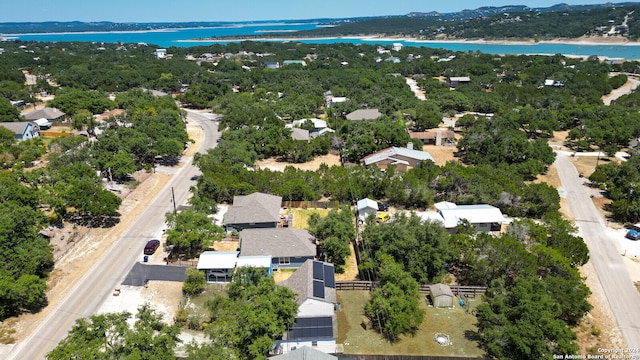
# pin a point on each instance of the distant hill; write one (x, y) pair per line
(505, 22)
(489, 22)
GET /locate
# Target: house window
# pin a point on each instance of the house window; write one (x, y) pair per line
(284, 261)
(314, 343)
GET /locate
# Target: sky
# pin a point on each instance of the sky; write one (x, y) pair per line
(236, 10)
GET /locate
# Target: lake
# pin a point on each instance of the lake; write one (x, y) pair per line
(181, 38)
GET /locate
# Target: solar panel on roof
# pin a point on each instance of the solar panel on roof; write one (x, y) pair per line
(318, 289)
(329, 277)
(324, 321)
(311, 328)
(318, 271)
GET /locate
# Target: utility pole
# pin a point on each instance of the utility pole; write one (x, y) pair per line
(173, 200)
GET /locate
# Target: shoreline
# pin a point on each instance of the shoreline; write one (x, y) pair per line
(575, 41)
(167, 29)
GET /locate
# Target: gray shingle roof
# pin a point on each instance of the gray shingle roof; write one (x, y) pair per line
(17, 127)
(47, 113)
(284, 242)
(300, 134)
(301, 282)
(364, 114)
(254, 208)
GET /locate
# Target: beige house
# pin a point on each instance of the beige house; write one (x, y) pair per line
(403, 158)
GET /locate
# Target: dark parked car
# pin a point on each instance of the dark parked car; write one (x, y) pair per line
(151, 247)
(383, 207)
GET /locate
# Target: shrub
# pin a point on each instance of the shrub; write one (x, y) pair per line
(195, 282)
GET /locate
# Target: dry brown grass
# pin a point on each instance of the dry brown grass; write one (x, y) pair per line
(301, 216)
(226, 245)
(550, 177)
(313, 165)
(441, 154)
(350, 269)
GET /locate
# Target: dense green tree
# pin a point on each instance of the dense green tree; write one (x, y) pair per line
(422, 248)
(109, 336)
(8, 112)
(522, 322)
(195, 282)
(335, 232)
(70, 101)
(394, 306)
(191, 231)
(247, 323)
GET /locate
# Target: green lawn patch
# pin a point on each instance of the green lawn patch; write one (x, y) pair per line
(457, 323)
(193, 309)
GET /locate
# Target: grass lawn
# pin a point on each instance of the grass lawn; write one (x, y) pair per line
(195, 308)
(300, 216)
(456, 323)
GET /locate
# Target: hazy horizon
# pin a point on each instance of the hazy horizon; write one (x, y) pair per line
(249, 10)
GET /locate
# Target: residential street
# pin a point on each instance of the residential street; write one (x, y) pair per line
(604, 252)
(86, 297)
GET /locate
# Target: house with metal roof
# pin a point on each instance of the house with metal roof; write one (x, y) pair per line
(219, 266)
(288, 247)
(364, 114)
(315, 324)
(319, 126)
(454, 81)
(22, 130)
(257, 210)
(484, 217)
(402, 158)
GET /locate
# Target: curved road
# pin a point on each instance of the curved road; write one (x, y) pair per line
(603, 250)
(110, 270)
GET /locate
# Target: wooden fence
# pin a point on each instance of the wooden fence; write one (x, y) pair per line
(403, 357)
(424, 289)
(313, 204)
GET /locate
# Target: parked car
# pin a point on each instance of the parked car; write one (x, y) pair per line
(382, 217)
(633, 234)
(151, 247)
(382, 206)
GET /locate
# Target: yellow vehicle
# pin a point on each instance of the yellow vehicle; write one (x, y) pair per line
(382, 217)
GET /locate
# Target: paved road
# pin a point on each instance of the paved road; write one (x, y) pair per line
(110, 270)
(628, 88)
(603, 250)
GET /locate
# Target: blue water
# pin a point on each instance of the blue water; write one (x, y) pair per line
(181, 37)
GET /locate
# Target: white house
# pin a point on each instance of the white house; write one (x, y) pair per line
(396, 47)
(161, 53)
(218, 266)
(314, 326)
(319, 127)
(483, 217)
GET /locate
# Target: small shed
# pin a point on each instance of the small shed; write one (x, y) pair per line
(441, 295)
(366, 207)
